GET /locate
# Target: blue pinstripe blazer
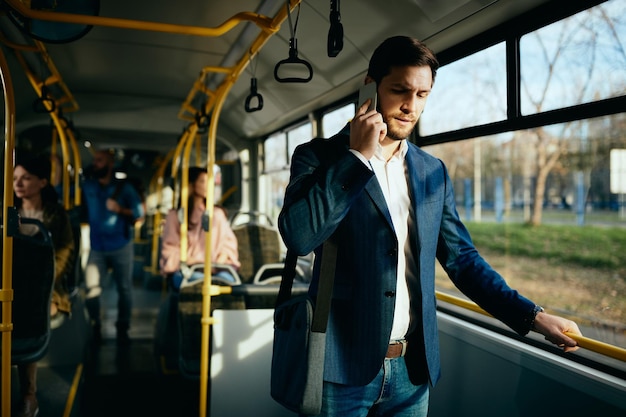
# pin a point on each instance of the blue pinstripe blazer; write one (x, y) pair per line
(332, 192)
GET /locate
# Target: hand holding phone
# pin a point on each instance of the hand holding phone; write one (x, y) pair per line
(368, 91)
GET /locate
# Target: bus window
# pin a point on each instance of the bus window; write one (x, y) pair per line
(277, 151)
(335, 120)
(576, 60)
(556, 236)
(295, 137)
(468, 92)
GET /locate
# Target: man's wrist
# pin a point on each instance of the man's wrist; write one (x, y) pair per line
(533, 315)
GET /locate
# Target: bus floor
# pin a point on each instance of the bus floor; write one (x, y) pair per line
(125, 380)
(60, 371)
(78, 379)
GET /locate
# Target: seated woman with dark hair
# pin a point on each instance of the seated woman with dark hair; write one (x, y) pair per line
(36, 198)
(224, 248)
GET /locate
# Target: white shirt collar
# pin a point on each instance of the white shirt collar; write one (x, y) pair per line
(400, 153)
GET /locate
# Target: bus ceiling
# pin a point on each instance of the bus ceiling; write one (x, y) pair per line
(172, 62)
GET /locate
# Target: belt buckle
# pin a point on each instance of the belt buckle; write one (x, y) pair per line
(402, 342)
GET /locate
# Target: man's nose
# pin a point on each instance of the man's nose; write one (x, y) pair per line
(409, 105)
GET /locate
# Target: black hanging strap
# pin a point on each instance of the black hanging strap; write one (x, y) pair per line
(293, 63)
(335, 33)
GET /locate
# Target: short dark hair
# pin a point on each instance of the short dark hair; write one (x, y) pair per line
(400, 51)
(194, 172)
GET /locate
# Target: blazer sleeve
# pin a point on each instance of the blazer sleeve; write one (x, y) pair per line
(325, 179)
(473, 275)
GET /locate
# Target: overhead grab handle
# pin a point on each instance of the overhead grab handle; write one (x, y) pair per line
(335, 33)
(294, 69)
(252, 96)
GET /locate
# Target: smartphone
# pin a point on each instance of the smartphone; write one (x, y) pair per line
(368, 91)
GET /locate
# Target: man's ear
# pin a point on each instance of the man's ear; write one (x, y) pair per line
(368, 79)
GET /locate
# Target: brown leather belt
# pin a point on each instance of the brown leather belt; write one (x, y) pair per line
(396, 349)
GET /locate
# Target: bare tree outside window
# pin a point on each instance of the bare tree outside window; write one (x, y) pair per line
(573, 61)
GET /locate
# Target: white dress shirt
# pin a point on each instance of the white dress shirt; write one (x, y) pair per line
(392, 178)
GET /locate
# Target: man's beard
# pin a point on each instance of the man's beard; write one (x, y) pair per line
(396, 134)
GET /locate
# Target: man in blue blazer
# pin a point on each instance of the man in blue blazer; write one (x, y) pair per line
(390, 208)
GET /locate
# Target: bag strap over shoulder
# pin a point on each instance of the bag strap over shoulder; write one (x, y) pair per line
(325, 285)
(289, 272)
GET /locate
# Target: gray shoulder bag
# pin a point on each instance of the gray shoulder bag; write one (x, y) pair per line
(300, 338)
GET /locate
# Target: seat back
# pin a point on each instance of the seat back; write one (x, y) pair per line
(190, 271)
(33, 281)
(258, 244)
(189, 317)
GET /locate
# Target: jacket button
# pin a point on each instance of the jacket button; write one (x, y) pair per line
(390, 294)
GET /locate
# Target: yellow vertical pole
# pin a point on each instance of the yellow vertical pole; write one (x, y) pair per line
(221, 93)
(6, 293)
(156, 185)
(184, 191)
(77, 168)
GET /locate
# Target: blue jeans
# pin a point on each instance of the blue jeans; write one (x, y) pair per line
(121, 263)
(390, 394)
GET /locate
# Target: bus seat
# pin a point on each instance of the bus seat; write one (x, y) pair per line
(270, 274)
(215, 279)
(189, 315)
(33, 281)
(258, 244)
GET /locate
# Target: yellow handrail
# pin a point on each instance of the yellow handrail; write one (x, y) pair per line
(584, 342)
(81, 19)
(66, 100)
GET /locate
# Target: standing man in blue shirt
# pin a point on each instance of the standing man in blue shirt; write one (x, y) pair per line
(112, 206)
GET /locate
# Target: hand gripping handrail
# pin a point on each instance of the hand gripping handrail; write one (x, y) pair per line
(584, 342)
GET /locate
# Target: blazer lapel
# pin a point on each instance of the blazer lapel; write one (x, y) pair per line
(416, 178)
(376, 194)
(373, 187)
